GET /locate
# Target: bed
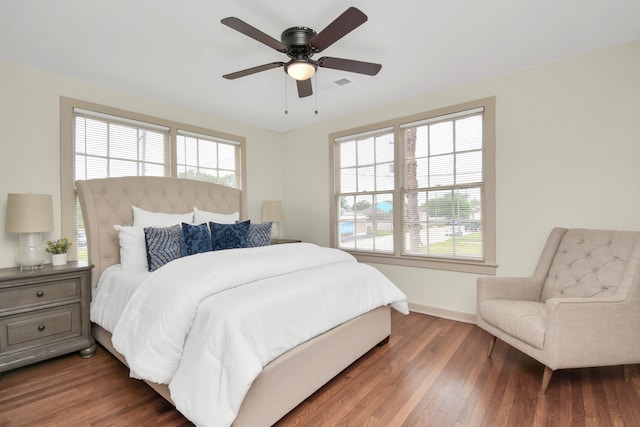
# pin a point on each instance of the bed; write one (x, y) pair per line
(286, 380)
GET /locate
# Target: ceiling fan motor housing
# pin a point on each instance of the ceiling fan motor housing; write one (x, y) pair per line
(297, 41)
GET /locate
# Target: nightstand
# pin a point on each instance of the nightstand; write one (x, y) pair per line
(280, 241)
(44, 313)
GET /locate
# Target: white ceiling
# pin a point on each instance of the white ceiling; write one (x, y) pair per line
(177, 51)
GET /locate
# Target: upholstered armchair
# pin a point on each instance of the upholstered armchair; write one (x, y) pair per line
(581, 307)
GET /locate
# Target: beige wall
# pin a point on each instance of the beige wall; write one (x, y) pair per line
(567, 146)
(29, 147)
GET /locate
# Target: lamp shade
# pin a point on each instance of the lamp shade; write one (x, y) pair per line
(272, 210)
(29, 213)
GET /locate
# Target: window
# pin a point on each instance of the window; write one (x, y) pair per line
(101, 142)
(418, 191)
(204, 158)
(366, 184)
(108, 146)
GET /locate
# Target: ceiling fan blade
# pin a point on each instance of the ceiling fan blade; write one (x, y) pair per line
(368, 68)
(350, 19)
(254, 33)
(253, 70)
(304, 88)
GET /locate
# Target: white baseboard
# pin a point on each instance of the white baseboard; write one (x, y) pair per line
(444, 313)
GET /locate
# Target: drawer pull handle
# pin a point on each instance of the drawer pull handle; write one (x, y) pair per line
(40, 294)
(41, 328)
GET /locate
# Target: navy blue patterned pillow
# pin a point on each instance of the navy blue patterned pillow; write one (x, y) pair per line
(229, 236)
(194, 239)
(163, 245)
(259, 235)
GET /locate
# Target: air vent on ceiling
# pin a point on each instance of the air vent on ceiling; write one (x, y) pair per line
(343, 81)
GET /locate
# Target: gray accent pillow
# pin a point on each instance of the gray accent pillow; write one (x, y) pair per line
(259, 234)
(163, 245)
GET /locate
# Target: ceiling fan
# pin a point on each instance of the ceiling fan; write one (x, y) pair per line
(300, 44)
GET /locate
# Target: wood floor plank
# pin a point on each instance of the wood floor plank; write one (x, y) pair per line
(424, 405)
(433, 372)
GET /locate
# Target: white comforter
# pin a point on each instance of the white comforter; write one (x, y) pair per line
(207, 324)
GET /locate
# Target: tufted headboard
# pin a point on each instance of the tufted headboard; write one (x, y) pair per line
(107, 202)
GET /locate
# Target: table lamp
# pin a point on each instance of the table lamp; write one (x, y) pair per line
(29, 215)
(272, 211)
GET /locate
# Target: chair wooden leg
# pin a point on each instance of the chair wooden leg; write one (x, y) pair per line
(626, 371)
(546, 377)
(492, 342)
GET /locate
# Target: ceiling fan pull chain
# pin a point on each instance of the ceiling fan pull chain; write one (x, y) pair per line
(286, 107)
(316, 92)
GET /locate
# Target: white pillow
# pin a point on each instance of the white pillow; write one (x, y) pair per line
(133, 249)
(142, 218)
(200, 217)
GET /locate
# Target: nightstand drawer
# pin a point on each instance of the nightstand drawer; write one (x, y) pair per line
(45, 292)
(39, 328)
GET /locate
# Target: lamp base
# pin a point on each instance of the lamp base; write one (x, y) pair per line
(31, 254)
(275, 230)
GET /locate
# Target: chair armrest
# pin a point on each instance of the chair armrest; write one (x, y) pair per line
(587, 312)
(514, 288)
(591, 331)
(602, 317)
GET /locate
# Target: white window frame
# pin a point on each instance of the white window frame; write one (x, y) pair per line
(484, 265)
(68, 109)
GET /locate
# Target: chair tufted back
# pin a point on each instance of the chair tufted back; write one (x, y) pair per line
(589, 263)
(107, 202)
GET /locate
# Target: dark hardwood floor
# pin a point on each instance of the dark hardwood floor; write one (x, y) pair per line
(433, 372)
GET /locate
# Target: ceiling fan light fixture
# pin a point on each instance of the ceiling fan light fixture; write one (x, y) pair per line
(301, 69)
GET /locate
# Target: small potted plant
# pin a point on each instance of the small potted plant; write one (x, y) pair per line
(58, 250)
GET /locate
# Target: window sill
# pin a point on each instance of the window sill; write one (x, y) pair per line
(461, 266)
